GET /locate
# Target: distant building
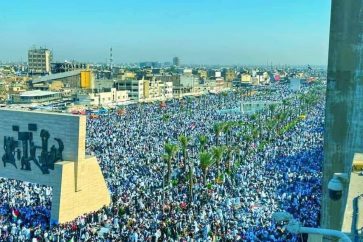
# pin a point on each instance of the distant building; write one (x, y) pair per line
(72, 79)
(36, 96)
(135, 88)
(157, 90)
(176, 61)
(39, 61)
(203, 74)
(103, 98)
(246, 78)
(229, 75)
(185, 84)
(150, 64)
(59, 67)
(187, 72)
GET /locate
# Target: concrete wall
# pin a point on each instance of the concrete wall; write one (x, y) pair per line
(344, 104)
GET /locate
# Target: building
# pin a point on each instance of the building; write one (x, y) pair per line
(135, 88)
(156, 89)
(185, 84)
(35, 96)
(229, 75)
(152, 64)
(203, 74)
(104, 98)
(176, 61)
(246, 78)
(39, 61)
(78, 79)
(59, 67)
(168, 90)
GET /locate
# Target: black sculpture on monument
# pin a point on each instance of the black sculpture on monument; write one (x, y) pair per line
(27, 151)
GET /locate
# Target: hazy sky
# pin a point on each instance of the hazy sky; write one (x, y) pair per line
(198, 31)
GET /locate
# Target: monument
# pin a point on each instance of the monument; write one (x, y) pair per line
(49, 149)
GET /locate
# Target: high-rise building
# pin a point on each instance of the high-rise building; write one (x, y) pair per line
(39, 60)
(176, 61)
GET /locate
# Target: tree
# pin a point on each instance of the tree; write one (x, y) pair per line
(229, 152)
(285, 103)
(203, 140)
(217, 129)
(253, 118)
(165, 118)
(227, 129)
(217, 153)
(272, 109)
(206, 161)
(170, 152)
(184, 145)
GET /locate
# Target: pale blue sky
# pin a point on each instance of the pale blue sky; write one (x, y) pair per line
(198, 31)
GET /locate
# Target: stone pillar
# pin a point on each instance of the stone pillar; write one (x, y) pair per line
(344, 102)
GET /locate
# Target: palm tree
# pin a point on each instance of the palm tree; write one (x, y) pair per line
(206, 161)
(170, 152)
(184, 144)
(229, 152)
(253, 118)
(165, 118)
(217, 153)
(285, 103)
(226, 129)
(217, 129)
(255, 133)
(203, 140)
(272, 109)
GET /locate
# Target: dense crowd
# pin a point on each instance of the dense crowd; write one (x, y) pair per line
(283, 175)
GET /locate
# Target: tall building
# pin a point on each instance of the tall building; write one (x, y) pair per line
(176, 61)
(39, 60)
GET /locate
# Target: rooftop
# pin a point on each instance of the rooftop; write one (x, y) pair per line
(36, 93)
(56, 76)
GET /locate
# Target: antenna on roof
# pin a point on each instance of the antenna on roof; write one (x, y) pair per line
(111, 60)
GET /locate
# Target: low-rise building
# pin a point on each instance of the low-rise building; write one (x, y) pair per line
(78, 79)
(102, 98)
(35, 96)
(246, 78)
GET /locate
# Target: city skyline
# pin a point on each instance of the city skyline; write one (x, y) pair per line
(203, 32)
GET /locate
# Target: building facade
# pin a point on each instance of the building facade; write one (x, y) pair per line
(176, 61)
(135, 88)
(103, 98)
(39, 61)
(36, 96)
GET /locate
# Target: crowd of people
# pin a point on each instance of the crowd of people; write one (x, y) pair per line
(283, 175)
